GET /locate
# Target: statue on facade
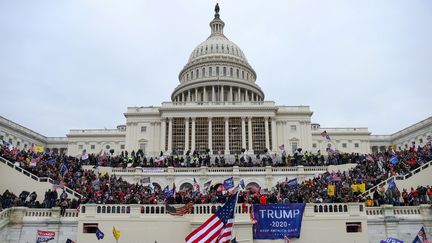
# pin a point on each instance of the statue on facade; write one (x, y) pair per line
(217, 8)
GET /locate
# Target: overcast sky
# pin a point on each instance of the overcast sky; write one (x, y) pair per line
(80, 64)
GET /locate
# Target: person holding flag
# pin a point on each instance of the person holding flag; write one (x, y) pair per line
(99, 234)
(219, 227)
(421, 237)
(116, 233)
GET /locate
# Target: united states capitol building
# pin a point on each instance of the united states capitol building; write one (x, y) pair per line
(217, 107)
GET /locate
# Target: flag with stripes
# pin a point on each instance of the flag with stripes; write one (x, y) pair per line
(180, 211)
(218, 228)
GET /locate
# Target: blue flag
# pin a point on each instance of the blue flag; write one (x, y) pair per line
(392, 184)
(99, 234)
(228, 183)
(242, 184)
(292, 183)
(394, 160)
(63, 168)
(167, 192)
(391, 240)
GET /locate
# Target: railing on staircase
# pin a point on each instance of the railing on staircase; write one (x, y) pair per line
(36, 178)
(398, 177)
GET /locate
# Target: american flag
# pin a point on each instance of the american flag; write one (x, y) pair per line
(218, 228)
(187, 208)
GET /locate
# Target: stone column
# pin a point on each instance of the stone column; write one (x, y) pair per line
(170, 134)
(239, 94)
(189, 96)
(183, 97)
(186, 134)
(193, 134)
(221, 94)
(250, 134)
(267, 137)
(205, 94)
(227, 135)
(243, 127)
(196, 95)
(210, 136)
(213, 94)
(163, 134)
(273, 135)
(230, 98)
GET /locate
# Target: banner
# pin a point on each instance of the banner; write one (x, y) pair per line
(391, 240)
(276, 221)
(153, 170)
(44, 236)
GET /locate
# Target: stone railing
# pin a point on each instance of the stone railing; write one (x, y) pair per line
(36, 178)
(214, 170)
(311, 209)
(399, 177)
(18, 215)
(423, 211)
(4, 217)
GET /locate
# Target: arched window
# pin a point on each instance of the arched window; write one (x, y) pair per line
(231, 72)
(210, 71)
(242, 74)
(203, 72)
(196, 74)
(224, 71)
(217, 71)
(192, 75)
(186, 185)
(238, 74)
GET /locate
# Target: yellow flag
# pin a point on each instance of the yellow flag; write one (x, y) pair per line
(358, 187)
(38, 148)
(361, 187)
(116, 233)
(331, 190)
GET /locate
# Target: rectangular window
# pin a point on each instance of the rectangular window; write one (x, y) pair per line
(90, 228)
(356, 145)
(293, 128)
(80, 146)
(92, 146)
(314, 145)
(143, 129)
(344, 145)
(122, 146)
(353, 227)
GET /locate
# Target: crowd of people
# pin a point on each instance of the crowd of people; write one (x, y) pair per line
(195, 159)
(370, 170)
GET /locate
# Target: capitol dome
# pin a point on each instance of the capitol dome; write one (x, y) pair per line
(217, 71)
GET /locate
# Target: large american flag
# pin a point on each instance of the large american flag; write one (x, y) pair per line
(218, 228)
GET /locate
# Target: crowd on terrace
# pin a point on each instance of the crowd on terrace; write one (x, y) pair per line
(370, 170)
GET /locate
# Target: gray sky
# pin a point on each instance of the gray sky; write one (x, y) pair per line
(80, 64)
